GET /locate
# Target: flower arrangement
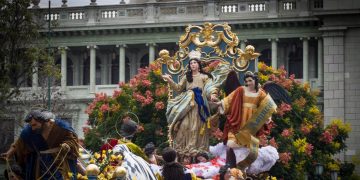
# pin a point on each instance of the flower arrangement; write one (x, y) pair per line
(145, 95)
(299, 132)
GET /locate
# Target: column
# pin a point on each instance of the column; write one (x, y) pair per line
(320, 63)
(151, 52)
(274, 52)
(35, 77)
(242, 44)
(63, 67)
(305, 59)
(92, 67)
(121, 62)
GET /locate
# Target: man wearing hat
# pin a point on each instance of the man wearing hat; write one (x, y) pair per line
(46, 148)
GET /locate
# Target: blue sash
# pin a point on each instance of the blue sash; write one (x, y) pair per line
(201, 105)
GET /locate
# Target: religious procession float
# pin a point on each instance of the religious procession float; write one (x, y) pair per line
(224, 113)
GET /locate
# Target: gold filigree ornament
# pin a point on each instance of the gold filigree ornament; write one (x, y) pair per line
(173, 65)
(243, 61)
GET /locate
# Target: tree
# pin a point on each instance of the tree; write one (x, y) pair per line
(20, 51)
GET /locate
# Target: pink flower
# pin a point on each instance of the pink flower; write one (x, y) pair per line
(146, 83)
(89, 110)
(327, 137)
(148, 93)
(104, 107)
(285, 157)
(154, 66)
(161, 91)
(122, 84)
(100, 97)
(292, 77)
(308, 149)
(287, 133)
(334, 130)
(159, 105)
(86, 130)
(117, 93)
(283, 109)
(140, 128)
(305, 129)
(133, 82)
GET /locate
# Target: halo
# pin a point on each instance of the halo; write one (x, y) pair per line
(132, 115)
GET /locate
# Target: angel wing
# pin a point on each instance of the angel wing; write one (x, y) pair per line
(278, 93)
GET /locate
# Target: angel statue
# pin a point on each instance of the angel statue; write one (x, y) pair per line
(188, 112)
(248, 109)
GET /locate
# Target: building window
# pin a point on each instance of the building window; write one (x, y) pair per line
(257, 7)
(144, 62)
(318, 4)
(265, 57)
(296, 61)
(288, 6)
(229, 8)
(109, 14)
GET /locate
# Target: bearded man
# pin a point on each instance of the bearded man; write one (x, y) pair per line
(46, 148)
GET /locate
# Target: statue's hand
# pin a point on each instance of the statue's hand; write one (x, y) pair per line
(65, 147)
(5, 156)
(166, 77)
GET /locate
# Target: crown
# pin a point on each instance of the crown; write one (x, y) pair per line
(195, 55)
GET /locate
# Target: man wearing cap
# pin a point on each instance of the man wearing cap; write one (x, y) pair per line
(46, 148)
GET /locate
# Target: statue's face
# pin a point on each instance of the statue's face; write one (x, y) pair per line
(194, 65)
(250, 83)
(201, 159)
(36, 126)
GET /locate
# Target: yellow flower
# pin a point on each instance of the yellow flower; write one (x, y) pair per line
(333, 166)
(306, 86)
(336, 145)
(92, 161)
(300, 102)
(300, 166)
(270, 178)
(157, 72)
(300, 145)
(314, 110)
(97, 155)
(100, 117)
(269, 69)
(70, 174)
(263, 77)
(113, 157)
(346, 128)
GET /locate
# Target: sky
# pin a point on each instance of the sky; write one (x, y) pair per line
(58, 3)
